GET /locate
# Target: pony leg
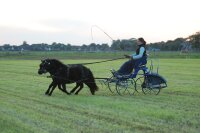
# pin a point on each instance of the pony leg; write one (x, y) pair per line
(51, 85)
(72, 91)
(81, 87)
(54, 86)
(63, 89)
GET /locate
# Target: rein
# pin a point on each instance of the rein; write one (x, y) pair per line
(98, 61)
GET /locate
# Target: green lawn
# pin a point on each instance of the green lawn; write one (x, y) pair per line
(24, 108)
(91, 55)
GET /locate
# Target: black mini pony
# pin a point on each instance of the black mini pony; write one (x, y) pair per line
(62, 74)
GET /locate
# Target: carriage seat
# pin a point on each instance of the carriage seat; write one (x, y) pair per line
(132, 75)
(139, 65)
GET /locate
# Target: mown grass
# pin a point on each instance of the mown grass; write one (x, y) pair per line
(24, 107)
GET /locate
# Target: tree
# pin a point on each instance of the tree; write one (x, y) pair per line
(195, 40)
(68, 47)
(177, 44)
(116, 45)
(7, 47)
(25, 46)
(92, 47)
(84, 47)
(105, 47)
(56, 46)
(123, 45)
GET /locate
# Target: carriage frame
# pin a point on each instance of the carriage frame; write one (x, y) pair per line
(143, 79)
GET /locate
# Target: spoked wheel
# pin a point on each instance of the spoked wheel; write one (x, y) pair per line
(103, 83)
(155, 91)
(149, 88)
(125, 87)
(139, 83)
(111, 83)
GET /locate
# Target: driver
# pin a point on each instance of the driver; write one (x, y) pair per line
(136, 59)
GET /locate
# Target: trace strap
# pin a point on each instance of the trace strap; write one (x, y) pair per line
(52, 76)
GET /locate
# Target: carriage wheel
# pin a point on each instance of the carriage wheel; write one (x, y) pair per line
(103, 83)
(155, 91)
(125, 87)
(111, 87)
(111, 83)
(147, 88)
(139, 83)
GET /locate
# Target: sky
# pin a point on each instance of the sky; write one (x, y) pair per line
(71, 21)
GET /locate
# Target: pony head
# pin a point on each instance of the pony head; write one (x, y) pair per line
(45, 66)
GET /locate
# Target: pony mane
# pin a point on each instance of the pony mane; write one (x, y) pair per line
(57, 62)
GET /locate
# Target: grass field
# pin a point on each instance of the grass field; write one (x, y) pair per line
(24, 108)
(91, 55)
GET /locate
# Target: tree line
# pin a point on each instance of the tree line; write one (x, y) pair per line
(193, 41)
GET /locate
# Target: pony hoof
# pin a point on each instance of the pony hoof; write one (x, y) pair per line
(47, 95)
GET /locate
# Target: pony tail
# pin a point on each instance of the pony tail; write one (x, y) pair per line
(90, 82)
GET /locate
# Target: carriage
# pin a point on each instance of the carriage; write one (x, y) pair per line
(142, 79)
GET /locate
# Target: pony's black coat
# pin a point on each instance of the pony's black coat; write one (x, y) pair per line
(65, 74)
